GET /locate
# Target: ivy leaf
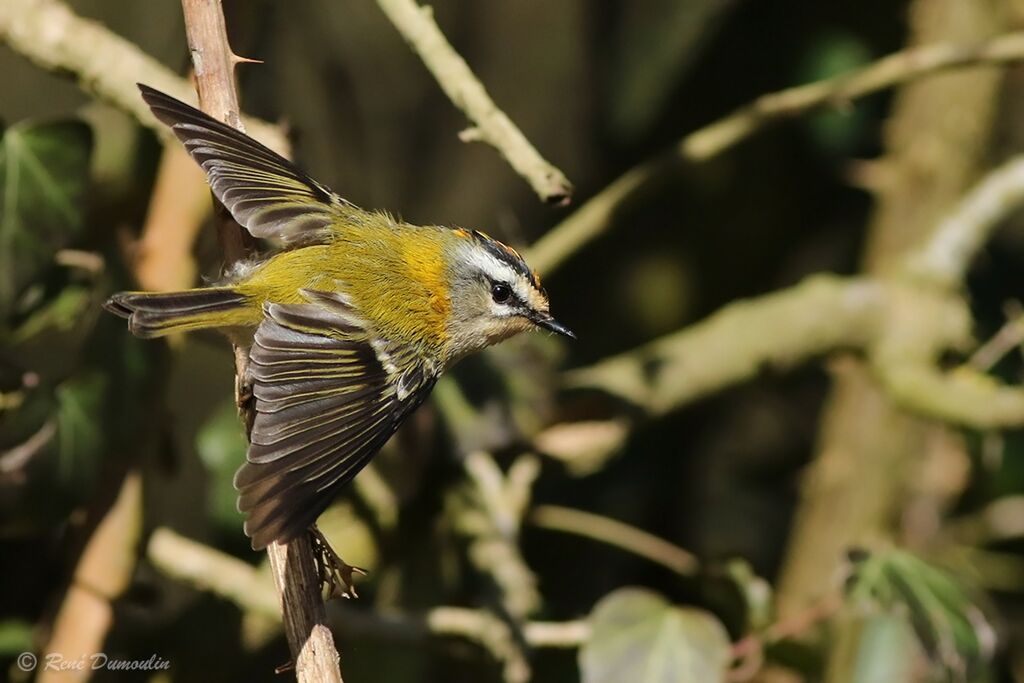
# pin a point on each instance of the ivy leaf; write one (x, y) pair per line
(757, 593)
(52, 443)
(44, 173)
(80, 438)
(952, 630)
(15, 637)
(637, 636)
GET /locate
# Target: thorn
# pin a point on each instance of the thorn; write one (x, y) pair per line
(237, 59)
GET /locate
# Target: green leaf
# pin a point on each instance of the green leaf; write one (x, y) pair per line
(757, 593)
(951, 628)
(872, 648)
(221, 447)
(15, 636)
(44, 173)
(836, 131)
(54, 440)
(80, 403)
(63, 313)
(637, 636)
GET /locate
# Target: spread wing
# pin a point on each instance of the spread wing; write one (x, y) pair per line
(328, 396)
(264, 192)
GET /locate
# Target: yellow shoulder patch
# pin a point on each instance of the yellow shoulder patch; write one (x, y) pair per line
(424, 262)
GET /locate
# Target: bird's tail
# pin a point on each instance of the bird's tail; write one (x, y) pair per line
(155, 314)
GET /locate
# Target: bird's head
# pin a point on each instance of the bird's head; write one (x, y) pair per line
(494, 294)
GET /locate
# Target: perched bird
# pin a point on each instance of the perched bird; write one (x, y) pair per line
(351, 322)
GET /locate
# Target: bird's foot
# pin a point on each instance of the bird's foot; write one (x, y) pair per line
(335, 573)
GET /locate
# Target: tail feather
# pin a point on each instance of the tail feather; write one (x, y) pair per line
(155, 314)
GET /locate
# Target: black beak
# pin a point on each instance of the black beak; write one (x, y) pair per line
(545, 321)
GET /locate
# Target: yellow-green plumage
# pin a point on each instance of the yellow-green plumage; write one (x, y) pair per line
(351, 322)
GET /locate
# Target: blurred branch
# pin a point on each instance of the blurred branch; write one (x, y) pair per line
(488, 509)
(962, 397)
(107, 66)
(378, 496)
(103, 573)
(949, 251)
(618, 534)
(1009, 336)
(901, 323)
(596, 216)
(838, 91)
(162, 257)
(416, 24)
(583, 446)
(1000, 520)
(817, 316)
(14, 460)
(292, 564)
(868, 460)
(491, 515)
(237, 581)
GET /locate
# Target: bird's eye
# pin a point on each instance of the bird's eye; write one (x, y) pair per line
(501, 292)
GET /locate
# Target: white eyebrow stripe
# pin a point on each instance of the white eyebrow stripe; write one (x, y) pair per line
(492, 267)
(499, 271)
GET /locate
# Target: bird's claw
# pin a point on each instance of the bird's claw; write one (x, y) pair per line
(335, 573)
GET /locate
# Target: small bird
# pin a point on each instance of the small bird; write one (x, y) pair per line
(351, 322)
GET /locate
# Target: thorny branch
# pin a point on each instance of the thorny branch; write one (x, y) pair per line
(312, 645)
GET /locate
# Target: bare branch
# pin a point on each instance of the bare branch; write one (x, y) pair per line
(895, 69)
(819, 315)
(488, 509)
(416, 24)
(901, 327)
(946, 257)
(489, 512)
(103, 64)
(962, 397)
(618, 534)
(595, 217)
